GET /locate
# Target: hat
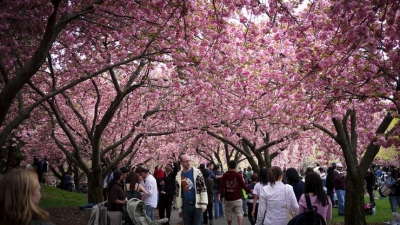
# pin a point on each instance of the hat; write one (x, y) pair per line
(334, 164)
(339, 165)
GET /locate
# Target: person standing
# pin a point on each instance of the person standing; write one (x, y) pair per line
(210, 168)
(116, 198)
(381, 178)
(218, 205)
(191, 193)
(166, 198)
(209, 185)
(293, 179)
(244, 194)
(232, 184)
(262, 181)
(250, 198)
(393, 182)
(244, 174)
(276, 200)
(339, 178)
(37, 164)
(370, 183)
(159, 175)
(45, 169)
(133, 188)
(330, 183)
(105, 186)
(316, 168)
(150, 184)
(125, 172)
(68, 180)
(322, 174)
(249, 173)
(313, 187)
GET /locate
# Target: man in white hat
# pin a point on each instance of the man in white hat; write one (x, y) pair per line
(339, 178)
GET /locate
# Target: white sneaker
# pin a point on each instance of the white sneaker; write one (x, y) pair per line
(396, 217)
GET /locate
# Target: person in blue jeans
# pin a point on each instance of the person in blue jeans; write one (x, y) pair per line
(339, 178)
(393, 182)
(218, 206)
(191, 193)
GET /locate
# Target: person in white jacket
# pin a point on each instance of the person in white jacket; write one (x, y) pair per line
(275, 200)
(191, 193)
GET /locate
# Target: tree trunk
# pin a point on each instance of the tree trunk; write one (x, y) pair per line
(354, 205)
(95, 186)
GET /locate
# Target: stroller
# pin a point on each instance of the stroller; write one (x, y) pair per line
(135, 213)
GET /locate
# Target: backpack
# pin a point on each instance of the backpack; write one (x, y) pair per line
(309, 217)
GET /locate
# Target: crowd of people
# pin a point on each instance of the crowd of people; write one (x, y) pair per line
(203, 194)
(260, 197)
(195, 191)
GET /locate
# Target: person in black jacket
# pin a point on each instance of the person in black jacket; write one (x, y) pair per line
(330, 185)
(370, 183)
(167, 196)
(293, 179)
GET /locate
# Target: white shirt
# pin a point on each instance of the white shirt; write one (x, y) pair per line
(150, 185)
(257, 189)
(272, 204)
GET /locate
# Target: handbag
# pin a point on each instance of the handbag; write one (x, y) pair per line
(289, 213)
(385, 190)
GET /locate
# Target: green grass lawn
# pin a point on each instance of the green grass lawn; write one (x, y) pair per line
(383, 212)
(54, 197)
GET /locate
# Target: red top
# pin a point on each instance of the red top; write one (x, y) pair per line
(232, 184)
(158, 173)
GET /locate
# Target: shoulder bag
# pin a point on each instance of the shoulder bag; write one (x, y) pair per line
(385, 190)
(289, 212)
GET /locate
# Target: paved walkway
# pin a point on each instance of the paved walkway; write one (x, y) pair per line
(220, 221)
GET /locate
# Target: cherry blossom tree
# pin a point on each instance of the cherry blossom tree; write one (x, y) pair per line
(346, 69)
(256, 76)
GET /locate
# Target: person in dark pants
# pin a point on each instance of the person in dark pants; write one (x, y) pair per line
(68, 181)
(37, 164)
(330, 185)
(250, 199)
(370, 183)
(218, 206)
(167, 196)
(209, 185)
